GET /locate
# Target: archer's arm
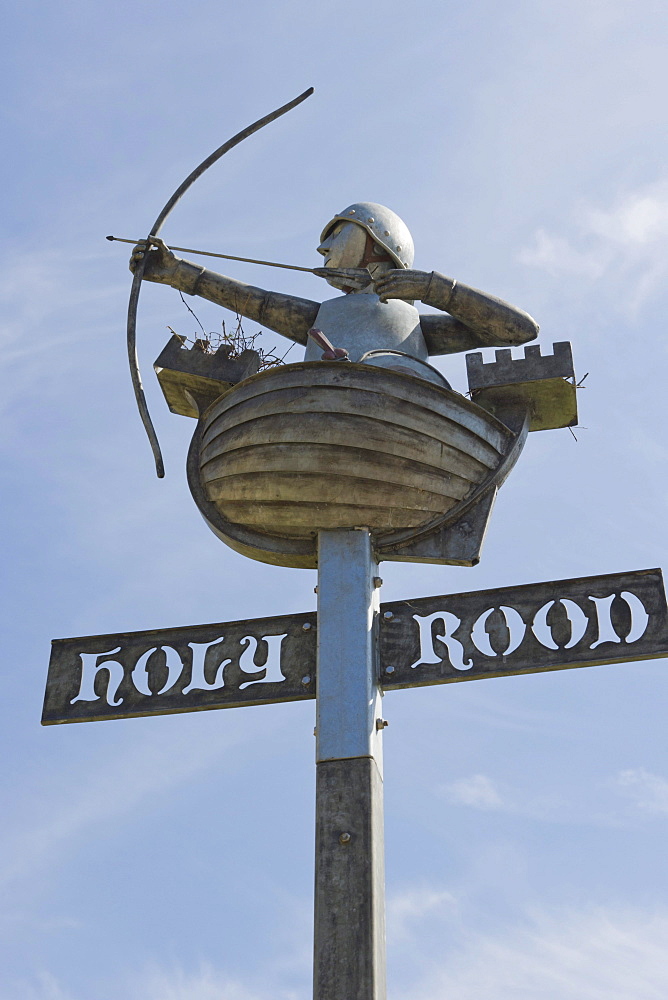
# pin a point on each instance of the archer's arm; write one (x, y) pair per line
(471, 318)
(286, 314)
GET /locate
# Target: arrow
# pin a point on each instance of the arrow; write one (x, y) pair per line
(356, 276)
(246, 260)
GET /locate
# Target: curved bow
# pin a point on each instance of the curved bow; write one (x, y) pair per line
(139, 269)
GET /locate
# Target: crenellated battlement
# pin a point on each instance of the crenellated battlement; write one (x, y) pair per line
(191, 378)
(506, 370)
(542, 384)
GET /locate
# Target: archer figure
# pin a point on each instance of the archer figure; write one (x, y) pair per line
(368, 253)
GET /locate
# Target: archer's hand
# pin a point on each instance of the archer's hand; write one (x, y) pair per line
(402, 284)
(344, 277)
(160, 261)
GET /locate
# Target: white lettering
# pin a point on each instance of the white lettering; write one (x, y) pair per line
(576, 617)
(90, 668)
(479, 634)
(272, 669)
(516, 627)
(578, 620)
(638, 612)
(140, 672)
(541, 629)
(454, 648)
(198, 681)
(606, 632)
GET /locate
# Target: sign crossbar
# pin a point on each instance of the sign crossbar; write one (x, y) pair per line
(615, 618)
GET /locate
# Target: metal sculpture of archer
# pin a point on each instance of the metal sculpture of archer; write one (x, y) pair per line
(383, 442)
(361, 452)
(267, 487)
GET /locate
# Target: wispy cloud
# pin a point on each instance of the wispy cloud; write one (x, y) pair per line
(51, 303)
(648, 792)
(204, 984)
(627, 241)
(598, 804)
(105, 791)
(174, 983)
(478, 791)
(596, 955)
(405, 910)
(43, 986)
(45, 293)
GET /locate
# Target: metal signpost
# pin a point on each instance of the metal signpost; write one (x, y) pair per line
(350, 653)
(358, 454)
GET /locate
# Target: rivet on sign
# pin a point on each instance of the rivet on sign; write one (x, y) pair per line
(389, 670)
(386, 233)
(306, 626)
(388, 614)
(345, 838)
(306, 680)
(370, 219)
(381, 724)
(398, 248)
(351, 212)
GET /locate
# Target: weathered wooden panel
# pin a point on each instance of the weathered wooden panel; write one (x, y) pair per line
(364, 415)
(181, 669)
(302, 487)
(326, 516)
(344, 461)
(372, 435)
(616, 618)
(392, 388)
(394, 455)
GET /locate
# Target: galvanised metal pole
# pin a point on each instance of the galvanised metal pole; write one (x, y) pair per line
(349, 949)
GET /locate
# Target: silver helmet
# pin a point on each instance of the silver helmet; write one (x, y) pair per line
(383, 226)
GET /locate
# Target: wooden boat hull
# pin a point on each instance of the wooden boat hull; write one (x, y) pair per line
(325, 445)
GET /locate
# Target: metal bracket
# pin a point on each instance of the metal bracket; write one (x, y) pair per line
(192, 376)
(545, 385)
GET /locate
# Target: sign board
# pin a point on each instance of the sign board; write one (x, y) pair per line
(617, 618)
(181, 669)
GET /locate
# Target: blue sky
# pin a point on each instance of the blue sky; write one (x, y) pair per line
(525, 145)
